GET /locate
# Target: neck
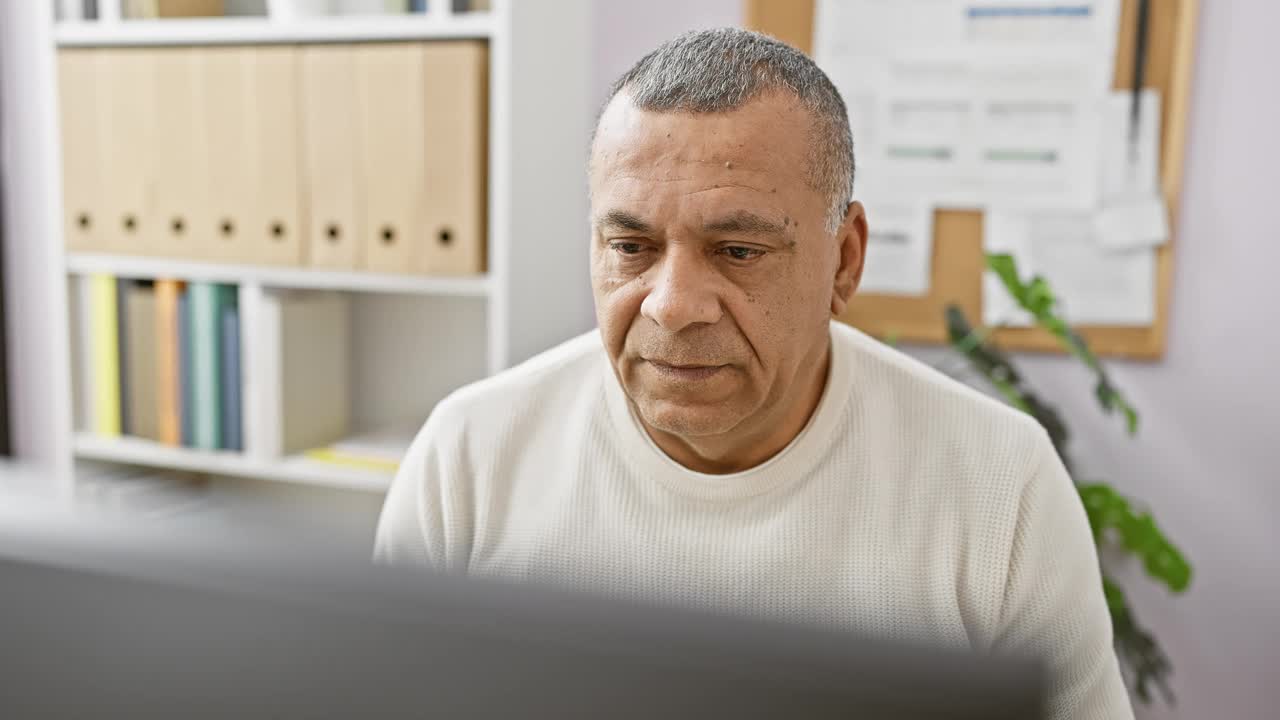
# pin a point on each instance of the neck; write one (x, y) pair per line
(745, 446)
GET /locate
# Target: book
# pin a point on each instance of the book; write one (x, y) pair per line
(82, 353)
(139, 358)
(205, 304)
(185, 386)
(380, 450)
(105, 353)
(232, 438)
(152, 9)
(298, 384)
(168, 362)
(122, 347)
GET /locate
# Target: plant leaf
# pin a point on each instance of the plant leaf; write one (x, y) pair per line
(1003, 265)
(1037, 298)
(1137, 534)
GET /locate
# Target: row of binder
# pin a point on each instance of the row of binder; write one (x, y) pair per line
(351, 157)
(172, 362)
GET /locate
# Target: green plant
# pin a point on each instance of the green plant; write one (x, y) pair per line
(1116, 521)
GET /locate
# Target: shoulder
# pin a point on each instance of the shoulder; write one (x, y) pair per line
(898, 388)
(468, 451)
(955, 449)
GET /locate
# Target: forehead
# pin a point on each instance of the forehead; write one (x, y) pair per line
(763, 144)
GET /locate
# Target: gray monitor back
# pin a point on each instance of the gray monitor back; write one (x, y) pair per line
(91, 631)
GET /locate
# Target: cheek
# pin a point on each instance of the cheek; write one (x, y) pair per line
(781, 316)
(618, 303)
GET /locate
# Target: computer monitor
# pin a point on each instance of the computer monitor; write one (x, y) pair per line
(94, 630)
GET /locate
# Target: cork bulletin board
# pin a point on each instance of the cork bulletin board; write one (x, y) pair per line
(958, 261)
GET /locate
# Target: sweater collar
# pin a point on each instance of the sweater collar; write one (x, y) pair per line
(806, 449)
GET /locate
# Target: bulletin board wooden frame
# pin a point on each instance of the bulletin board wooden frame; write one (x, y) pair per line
(958, 261)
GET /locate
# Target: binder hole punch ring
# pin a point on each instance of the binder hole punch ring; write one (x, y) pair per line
(130, 223)
(446, 236)
(333, 232)
(177, 225)
(82, 220)
(227, 227)
(277, 230)
(388, 235)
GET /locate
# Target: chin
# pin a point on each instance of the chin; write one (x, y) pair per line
(688, 421)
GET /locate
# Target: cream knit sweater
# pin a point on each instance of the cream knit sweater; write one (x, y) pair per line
(909, 507)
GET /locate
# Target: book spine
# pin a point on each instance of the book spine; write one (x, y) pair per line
(142, 378)
(264, 328)
(206, 361)
(168, 363)
(106, 355)
(186, 391)
(85, 368)
(122, 346)
(232, 437)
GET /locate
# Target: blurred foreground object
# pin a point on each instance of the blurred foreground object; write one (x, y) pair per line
(98, 620)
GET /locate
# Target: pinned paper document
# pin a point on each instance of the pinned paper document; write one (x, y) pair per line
(899, 248)
(1132, 212)
(959, 105)
(1094, 285)
(1131, 223)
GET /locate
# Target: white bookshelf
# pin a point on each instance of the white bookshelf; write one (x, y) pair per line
(259, 30)
(278, 277)
(291, 469)
(415, 337)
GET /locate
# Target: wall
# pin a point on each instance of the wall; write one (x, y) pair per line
(1207, 459)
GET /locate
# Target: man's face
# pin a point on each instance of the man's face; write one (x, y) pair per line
(712, 268)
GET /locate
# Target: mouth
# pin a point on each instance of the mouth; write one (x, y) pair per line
(686, 372)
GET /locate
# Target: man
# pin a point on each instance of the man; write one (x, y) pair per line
(720, 441)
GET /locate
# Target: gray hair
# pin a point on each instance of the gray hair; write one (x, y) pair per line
(712, 71)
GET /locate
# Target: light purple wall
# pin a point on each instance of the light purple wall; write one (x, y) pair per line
(626, 30)
(1207, 460)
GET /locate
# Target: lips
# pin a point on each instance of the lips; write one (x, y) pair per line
(686, 371)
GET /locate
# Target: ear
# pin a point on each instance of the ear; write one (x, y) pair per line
(851, 241)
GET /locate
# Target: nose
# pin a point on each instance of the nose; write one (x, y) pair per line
(683, 293)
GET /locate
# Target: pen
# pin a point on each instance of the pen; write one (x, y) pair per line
(1139, 69)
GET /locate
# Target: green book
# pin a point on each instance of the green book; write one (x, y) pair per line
(206, 303)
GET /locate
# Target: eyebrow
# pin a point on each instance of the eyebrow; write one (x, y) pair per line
(745, 222)
(624, 220)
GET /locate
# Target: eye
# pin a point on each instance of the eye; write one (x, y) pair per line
(741, 253)
(623, 247)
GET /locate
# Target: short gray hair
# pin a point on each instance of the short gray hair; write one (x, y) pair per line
(710, 71)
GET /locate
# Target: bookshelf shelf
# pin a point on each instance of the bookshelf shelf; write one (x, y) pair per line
(277, 277)
(137, 451)
(413, 339)
(261, 30)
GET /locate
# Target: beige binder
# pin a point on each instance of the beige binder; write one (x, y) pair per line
(126, 138)
(180, 167)
(392, 102)
(82, 209)
(279, 226)
(455, 129)
(225, 80)
(252, 140)
(331, 168)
